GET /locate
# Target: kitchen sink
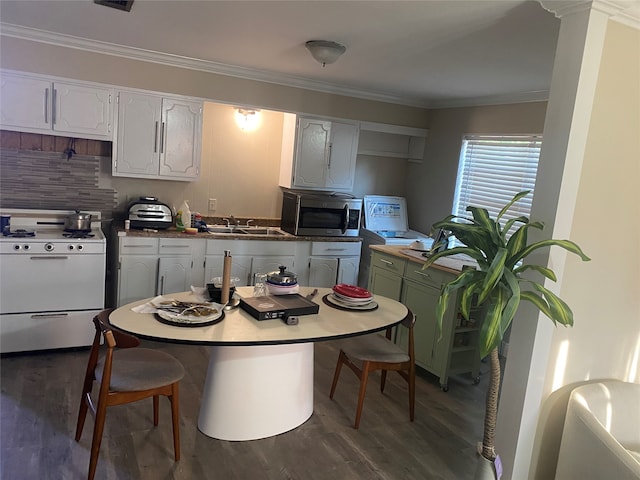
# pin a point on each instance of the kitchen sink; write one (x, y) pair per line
(237, 230)
(260, 230)
(217, 229)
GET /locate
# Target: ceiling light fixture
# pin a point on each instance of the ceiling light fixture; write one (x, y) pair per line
(325, 51)
(247, 119)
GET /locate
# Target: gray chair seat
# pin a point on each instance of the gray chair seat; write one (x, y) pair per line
(374, 348)
(137, 369)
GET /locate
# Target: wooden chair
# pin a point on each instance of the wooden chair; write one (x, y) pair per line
(375, 352)
(126, 375)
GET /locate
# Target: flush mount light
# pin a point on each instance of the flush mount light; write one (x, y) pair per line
(119, 4)
(325, 51)
(247, 119)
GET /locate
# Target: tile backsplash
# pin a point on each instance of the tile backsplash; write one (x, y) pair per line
(48, 180)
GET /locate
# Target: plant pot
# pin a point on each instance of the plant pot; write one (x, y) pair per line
(485, 470)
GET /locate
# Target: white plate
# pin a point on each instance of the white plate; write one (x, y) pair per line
(370, 305)
(352, 300)
(191, 319)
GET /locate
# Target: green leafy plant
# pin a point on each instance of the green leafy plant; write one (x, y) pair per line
(497, 285)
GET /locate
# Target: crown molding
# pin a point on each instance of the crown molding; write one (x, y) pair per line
(626, 12)
(521, 97)
(69, 41)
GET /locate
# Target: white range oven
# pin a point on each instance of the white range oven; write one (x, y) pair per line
(52, 281)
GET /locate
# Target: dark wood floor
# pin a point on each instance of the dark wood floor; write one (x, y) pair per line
(39, 402)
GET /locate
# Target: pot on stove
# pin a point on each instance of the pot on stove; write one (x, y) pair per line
(78, 222)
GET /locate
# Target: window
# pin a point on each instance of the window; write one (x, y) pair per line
(492, 170)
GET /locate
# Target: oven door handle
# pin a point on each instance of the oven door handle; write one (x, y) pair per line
(51, 257)
(50, 315)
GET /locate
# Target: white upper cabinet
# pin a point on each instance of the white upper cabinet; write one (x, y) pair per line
(37, 104)
(320, 155)
(392, 141)
(158, 137)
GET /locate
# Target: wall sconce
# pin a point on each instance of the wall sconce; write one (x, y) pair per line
(247, 119)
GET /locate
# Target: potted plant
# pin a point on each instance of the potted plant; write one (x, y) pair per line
(497, 286)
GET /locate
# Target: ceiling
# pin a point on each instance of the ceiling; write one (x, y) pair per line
(423, 53)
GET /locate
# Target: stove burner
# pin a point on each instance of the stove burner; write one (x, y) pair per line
(21, 233)
(78, 234)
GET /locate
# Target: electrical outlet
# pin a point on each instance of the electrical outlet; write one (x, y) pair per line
(213, 204)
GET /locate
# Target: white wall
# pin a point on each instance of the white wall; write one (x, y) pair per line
(592, 126)
(605, 341)
(239, 169)
(431, 186)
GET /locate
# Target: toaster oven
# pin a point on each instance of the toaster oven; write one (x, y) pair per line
(148, 212)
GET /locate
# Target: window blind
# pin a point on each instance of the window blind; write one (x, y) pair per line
(492, 170)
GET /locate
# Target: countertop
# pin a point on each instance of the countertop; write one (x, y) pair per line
(453, 264)
(173, 233)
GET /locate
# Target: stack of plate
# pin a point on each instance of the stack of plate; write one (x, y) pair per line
(351, 296)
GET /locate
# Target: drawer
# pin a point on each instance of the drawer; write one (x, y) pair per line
(250, 247)
(431, 276)
(138, 246)
(177, 246)
(336, 249)
(389, 263)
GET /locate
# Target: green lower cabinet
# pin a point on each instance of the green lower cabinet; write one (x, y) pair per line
(385, 283)
(422, 300)
(452, 351)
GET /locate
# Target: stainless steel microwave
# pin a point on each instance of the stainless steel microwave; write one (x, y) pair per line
(317, 214)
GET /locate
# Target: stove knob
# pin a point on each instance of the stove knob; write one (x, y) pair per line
(26, 247)
(80, 247)
(70, 247)
(16, 247)
(49, 247)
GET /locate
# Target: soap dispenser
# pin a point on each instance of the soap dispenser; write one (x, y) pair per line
(183, 217)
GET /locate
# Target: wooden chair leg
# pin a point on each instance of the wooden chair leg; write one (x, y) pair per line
(156, 407)
(363, 388)
(383, 380)
(101, 414)
(412, 393)
(336, 375)
(82, 415)
(175, 419)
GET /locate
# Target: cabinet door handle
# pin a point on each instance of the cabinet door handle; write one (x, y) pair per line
(138, 246)
(335, 249)
(422, 273)
(155, 140)
(161, 292)
(329, 159)
(162, 138)
(54, 94)
(387, 262)
(46, 105)
(50, 315)
(175, 246)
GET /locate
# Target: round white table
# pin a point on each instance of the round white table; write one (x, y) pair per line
(260, 377)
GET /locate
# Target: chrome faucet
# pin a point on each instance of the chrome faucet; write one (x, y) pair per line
(234, 221)
(247, 223)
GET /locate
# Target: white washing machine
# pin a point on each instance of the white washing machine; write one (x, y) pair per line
(386, 223)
